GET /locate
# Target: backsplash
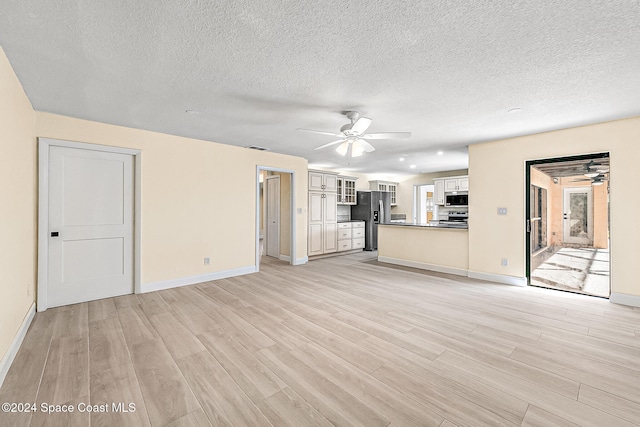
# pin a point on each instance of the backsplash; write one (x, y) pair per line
(344, 213)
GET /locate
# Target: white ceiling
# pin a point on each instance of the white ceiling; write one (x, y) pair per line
(256, 70)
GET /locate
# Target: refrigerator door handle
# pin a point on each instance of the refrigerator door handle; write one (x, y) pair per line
(381, 212)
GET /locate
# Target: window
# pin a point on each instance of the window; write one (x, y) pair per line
(538, 218)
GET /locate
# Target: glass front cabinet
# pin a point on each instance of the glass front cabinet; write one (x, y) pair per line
(346, 190)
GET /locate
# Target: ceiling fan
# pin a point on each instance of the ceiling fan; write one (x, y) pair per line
(594, 172)
(352, 136)
(593, 169)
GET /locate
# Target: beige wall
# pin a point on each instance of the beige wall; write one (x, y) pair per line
(18, 207)
(497, 179)
(198, 197)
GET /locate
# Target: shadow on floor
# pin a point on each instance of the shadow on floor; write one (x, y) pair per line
(582, 270)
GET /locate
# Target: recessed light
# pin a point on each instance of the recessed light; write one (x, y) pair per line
(401, 159)
(192, 111)
(440, 153)
(412, 166)
(515, 110)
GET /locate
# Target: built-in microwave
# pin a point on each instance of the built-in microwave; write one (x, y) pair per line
(456, 200)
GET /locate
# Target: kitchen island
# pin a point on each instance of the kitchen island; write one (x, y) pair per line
(437, 247)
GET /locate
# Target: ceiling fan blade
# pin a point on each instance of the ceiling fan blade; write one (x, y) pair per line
(361, 125)
(320, 132)
(387, 135)
(367, 147)
(330, 144)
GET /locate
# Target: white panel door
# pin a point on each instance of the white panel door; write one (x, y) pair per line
(273, 216)
(90, 225)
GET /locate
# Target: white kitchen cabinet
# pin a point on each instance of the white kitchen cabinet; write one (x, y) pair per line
(439, 191)
(357, 235)
(323, 214)
(323, 181)
(350, 235)
(346, 190)
(391, 187)
(449, 185)
(456, 184)
(464, 184)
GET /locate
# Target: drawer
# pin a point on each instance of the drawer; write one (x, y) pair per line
(357, 233)
(344, 234)
(357, 243)
(345, 245)
(359, 224)
(344, 226)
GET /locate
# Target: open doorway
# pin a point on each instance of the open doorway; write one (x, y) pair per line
(275, 229)
(567, 207)
(424, 207)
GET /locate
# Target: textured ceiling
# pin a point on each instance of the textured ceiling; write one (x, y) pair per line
(254, 71)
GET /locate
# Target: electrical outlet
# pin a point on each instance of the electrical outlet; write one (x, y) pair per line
(207, 261)
(502, 211)
(504, 262)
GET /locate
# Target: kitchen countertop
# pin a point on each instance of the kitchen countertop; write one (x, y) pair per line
(352, 220)
(430, 225)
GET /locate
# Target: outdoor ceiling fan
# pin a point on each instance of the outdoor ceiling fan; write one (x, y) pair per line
(352, 136)
(593, 169)
(594, 172)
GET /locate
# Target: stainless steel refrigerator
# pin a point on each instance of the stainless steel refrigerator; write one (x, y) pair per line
(374, 207)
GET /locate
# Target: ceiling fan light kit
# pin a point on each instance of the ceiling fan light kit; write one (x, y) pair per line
(353, 142)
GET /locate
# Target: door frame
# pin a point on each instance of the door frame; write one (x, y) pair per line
(43, 210)
(266, 216)
(292, 197)
(527, 199)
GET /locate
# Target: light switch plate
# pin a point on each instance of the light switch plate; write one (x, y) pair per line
(502, 211)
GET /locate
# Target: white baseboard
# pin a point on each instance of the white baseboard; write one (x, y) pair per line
(285, 258)
(300, 261)
(490, 277)
(7, 360)
(625, 299)
(192, 280)
(423, 266)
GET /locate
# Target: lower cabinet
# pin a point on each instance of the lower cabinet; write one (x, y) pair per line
(350, 235)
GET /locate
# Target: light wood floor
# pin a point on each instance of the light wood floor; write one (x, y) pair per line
(339, 341)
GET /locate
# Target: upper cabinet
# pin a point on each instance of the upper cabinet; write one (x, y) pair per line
(456, 184)
(391, 187)
(439, 191)
(449, 185)
(346, 190)
(323, 181)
